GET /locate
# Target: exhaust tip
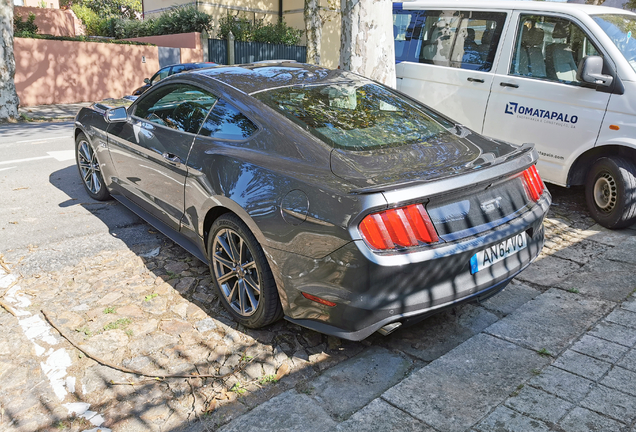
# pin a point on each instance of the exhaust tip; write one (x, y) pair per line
(389, 328)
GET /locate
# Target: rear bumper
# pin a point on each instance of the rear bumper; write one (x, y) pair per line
(370, 295)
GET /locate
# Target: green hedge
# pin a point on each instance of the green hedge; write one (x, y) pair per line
(178, 20)
(26, 28)
(174, 21)
(85, 39)
(244, 30)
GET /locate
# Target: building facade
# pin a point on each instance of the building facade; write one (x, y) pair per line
(269, 11)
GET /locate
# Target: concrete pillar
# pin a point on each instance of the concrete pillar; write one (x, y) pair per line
(230, 48)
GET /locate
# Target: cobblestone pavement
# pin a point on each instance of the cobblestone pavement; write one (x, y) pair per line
(553, 351)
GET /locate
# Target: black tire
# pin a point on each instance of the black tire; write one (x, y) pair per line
(90, 169)
(610, 192)
(237, 268)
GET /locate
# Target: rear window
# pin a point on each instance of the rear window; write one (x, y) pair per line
(356, 116)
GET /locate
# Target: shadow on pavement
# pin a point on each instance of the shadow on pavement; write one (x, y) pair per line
(166, 318)
(152, 308)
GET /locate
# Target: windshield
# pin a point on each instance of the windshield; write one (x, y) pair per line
(621, 29)
(356, 116)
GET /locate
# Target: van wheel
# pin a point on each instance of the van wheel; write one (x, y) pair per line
(610, 192)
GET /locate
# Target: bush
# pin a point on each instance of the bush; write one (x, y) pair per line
(279, 33)
(87, 39)
(245, 30)
(182, 20)
(26, 28)
(94, 23)
(241, 28)
(178, 20)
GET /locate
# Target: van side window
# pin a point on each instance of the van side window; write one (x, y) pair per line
(549, 48)
(459, 39)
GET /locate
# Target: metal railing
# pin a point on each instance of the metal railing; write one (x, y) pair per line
(249, 52)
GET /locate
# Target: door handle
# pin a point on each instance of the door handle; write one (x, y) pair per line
(477, 80)
(507, 84)
(171, 157)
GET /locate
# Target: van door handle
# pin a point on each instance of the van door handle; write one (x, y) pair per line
(477, 80)
(507, 84)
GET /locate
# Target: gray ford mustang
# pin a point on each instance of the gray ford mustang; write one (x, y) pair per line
(318, 195)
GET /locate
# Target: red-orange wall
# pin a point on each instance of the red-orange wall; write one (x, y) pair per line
(50, 72)
(54, 22)
(181, 40)
(190, 44)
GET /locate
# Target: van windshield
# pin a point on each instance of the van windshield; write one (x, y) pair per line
(621, 29)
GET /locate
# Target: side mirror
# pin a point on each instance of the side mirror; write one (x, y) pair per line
(147, 80)
(116, 115)
(591, 72)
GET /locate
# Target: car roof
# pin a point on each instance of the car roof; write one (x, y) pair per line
(203, 64)
(255, 77)
(542, 6)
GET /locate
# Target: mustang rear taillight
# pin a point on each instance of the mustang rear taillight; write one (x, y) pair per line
(534, 185)
(400, 227)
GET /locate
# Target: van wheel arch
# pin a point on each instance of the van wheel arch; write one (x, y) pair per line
(582, 165)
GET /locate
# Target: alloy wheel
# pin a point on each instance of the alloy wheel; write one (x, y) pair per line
(89, 167)
(235, 271)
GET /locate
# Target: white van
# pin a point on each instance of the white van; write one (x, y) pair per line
(561, 76)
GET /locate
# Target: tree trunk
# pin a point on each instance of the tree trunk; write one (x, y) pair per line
(366, 41)
(8, 97)
(313, 30)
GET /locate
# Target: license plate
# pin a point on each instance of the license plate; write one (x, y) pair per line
(494, 254)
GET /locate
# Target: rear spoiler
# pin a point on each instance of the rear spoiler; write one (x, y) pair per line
(517, 161)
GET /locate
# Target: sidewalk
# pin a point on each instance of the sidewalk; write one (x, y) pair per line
(563, 359)
(52, 112)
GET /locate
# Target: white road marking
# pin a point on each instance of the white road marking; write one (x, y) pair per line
(55, 368)
(56, 362)
(64, 155)
(4, 169)
(43, 139)
(61, 156)
(24, 160)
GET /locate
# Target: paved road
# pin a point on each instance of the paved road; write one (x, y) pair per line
(45, 208)
(554, 351)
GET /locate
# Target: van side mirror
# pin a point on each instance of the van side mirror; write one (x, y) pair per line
(591, 72)
(116, 115)
(146, 80)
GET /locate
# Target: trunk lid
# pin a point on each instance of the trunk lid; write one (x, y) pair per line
(445, 155)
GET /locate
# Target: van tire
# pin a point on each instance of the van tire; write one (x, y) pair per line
(610, 192)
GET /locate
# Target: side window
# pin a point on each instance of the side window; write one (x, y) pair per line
(177, 69)
(160, 75)
(460, 39)
(477, 40)
(178, 106)
(549, 48)
(226, 122)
